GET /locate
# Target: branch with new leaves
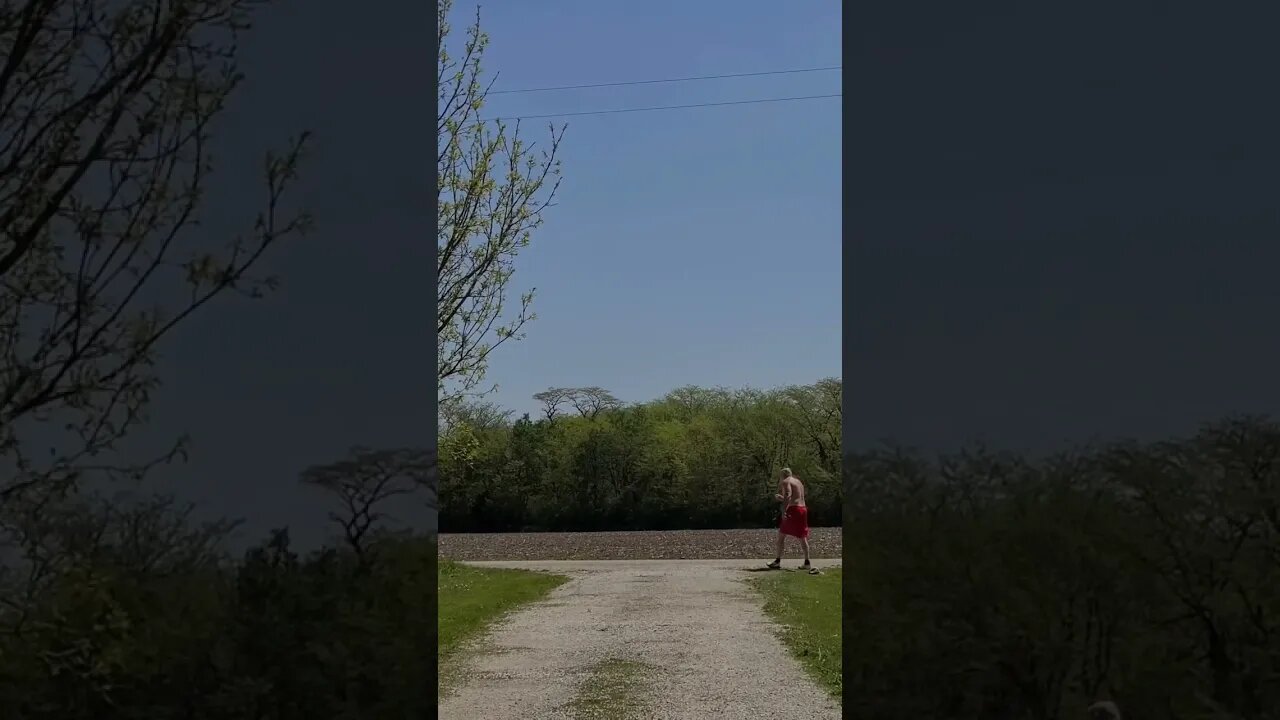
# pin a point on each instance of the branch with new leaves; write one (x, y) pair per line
(106, 112)
(493, 188)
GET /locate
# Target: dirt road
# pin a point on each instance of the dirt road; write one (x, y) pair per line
(705, 645)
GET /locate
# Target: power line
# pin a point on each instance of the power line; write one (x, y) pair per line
(666, 107)
(666, 80)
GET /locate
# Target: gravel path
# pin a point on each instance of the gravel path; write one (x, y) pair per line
(635, 545)
(695, 622)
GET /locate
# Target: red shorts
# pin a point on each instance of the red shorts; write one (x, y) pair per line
(795, 521)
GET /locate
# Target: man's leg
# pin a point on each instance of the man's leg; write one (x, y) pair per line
(777, 560)
(804, 544)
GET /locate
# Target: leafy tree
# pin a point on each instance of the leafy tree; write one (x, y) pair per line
(591, 401)
(476, 414)
(493, 189)
(364, 482)
(818, 411)
(1143, 574)
(696, 458)
(988, 584)
(552, 399)
(125, 613)
(106, 114)
(148, 618)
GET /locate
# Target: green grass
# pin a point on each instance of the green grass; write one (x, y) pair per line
(808, 608)
(614, 691)
(472, 598)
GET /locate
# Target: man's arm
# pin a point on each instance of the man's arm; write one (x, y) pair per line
(785, 495)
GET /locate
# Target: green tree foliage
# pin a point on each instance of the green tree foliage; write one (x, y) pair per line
(980, 583)
(144, 617)
(984, 584)
(697, 458)
(493, 187)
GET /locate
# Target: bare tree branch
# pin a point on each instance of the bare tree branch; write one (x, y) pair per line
(106, 110)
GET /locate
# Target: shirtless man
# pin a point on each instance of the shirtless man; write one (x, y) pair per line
(795, 518)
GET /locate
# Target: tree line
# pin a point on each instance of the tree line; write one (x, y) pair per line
(988, 584)
(980, 584)
(695, 458)
(131, 608)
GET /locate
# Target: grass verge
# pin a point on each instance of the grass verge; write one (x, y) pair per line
(808, 609)
(614, 690)
(471, 599)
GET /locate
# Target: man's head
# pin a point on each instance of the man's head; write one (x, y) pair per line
(786, 473)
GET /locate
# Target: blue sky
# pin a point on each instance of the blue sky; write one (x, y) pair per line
(691, 246)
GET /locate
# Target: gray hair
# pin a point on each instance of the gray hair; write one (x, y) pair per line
(786, 472)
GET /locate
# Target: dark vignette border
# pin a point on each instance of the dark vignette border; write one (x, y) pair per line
(1215, 122)
(291, 53)
(431, 89)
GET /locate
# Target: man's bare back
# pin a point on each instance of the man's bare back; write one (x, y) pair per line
(792, 491)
